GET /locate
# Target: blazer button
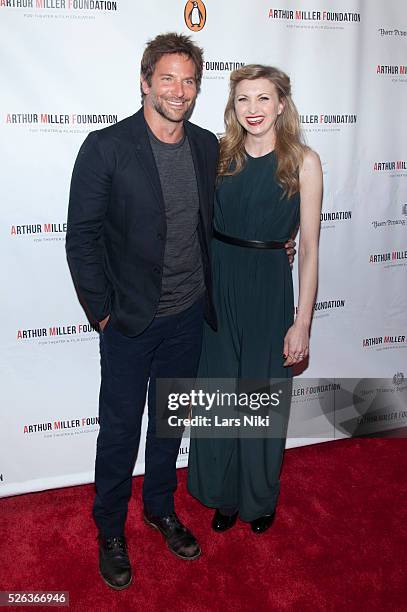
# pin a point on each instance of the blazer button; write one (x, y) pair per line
(156, 269)
(159, 236)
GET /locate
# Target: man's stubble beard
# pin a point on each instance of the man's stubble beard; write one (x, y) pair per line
(159, 108)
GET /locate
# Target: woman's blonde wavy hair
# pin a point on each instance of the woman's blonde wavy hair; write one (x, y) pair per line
(289, 146)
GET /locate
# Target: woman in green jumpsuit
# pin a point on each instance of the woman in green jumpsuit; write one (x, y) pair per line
(269, 184)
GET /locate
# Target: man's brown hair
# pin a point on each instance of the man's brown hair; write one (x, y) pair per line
(171, 43)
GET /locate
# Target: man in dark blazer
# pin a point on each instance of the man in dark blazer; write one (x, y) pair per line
(139, 225)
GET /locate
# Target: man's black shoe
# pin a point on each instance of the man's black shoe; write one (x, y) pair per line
(179, 539)
(114, 563)
(261, 524)
(222, 522)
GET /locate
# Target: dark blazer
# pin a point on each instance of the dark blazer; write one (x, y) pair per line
(116, 222)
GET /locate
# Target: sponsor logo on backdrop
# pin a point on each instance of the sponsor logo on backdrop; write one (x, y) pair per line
(59, 122)
(302, 392)
(381, 343)
(389, 223)
(39, 232)
(60, 427)
(395, 32)
(390, 259)
(386, 223)
(391, 168)
(1, 478)
(220, 69)
(397, 72)
(331, 218)
(323, 308)
(347, 404)
(375, 398)
(391, 69)
(58, 334)
(382, 419)
(61, 5)
(311, 19)
(385, 166)
(326, 122)
(195, 15)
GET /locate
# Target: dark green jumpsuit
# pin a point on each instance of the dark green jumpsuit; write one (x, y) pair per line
(253, 296)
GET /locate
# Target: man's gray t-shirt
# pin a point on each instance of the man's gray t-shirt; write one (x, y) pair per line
(183, 280)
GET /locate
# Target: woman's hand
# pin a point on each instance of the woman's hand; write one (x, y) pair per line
(296, 343)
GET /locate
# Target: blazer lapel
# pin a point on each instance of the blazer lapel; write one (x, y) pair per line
(145, 155)
(199, 159)
(146, 159)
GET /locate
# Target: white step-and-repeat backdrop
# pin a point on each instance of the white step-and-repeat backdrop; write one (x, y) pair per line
(71, 66)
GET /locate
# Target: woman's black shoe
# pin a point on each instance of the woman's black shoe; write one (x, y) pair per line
(261, 524)
(222, 522)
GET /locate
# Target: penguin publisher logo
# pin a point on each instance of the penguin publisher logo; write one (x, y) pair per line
(195, 15)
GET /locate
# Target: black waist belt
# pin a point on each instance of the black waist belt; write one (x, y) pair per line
(256, 244)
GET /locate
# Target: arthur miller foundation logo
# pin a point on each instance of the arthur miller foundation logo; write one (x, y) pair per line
(58, 334)
(326, 122)
(220, 69)
(79, 425)
(397, 167)
(195, 15)
(61, 5)
(325, 307)
(59, 119)
(389, 257)
(34, 229)
(329, 219)
(396, 73)
(315, 390)
(323, 387)
(391, 69)
(386, 342)
(312, 19)
(39, 232)
(222, 65)
(304, 15)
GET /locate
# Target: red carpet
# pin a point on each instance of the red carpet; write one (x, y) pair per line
(339, 542)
